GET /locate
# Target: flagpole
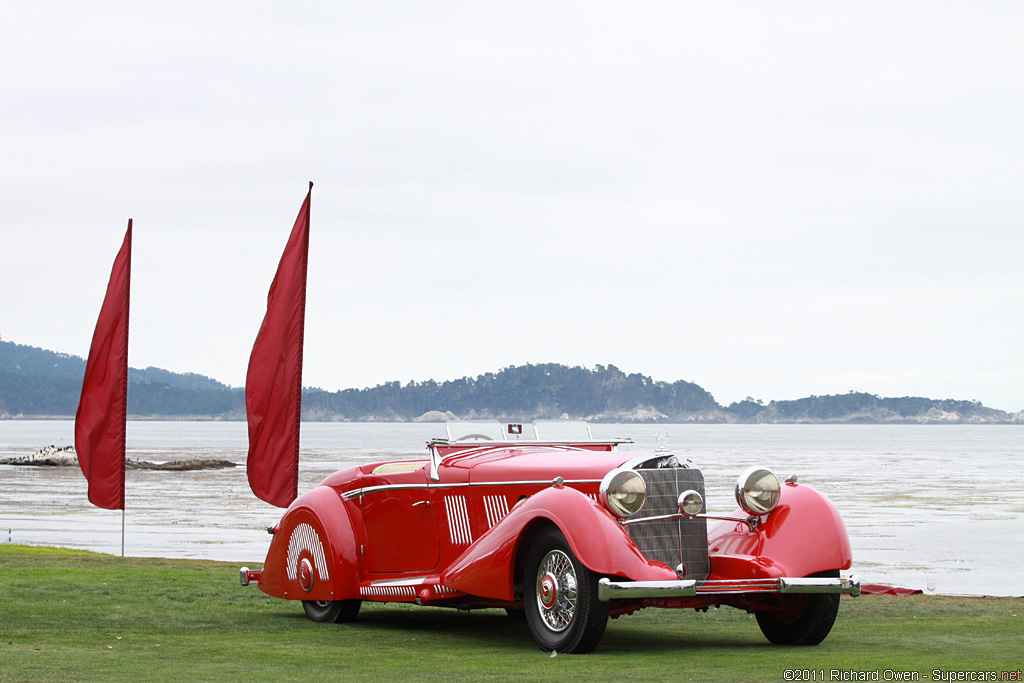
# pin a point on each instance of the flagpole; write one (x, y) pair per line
(124, 416)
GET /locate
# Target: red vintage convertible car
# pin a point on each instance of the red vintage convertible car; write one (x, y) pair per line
(567, 529)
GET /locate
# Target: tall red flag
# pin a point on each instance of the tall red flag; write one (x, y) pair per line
(101, 420)
(273, 382)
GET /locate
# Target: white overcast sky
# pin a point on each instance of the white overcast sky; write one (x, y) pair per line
(773, 199)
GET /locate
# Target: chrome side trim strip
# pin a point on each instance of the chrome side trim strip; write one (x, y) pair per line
(543, 482)
(355, 493)
(611, 590)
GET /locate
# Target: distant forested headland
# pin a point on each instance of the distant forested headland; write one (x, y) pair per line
(36, 383)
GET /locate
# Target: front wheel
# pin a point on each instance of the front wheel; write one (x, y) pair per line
(561, 603)
(332, 611)
(805, 619)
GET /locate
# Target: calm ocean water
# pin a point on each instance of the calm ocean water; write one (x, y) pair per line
(931, 507)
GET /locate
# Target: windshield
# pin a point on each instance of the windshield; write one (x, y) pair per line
(475, 430)
(540, 430)
(562, 430)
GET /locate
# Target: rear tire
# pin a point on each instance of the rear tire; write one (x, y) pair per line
(332, 611)
(560, 598)
(810, 617)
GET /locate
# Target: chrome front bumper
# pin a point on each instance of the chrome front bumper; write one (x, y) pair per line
(686, 588)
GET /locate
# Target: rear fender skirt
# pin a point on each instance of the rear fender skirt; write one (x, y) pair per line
(313, 555)
(802, 536)
(487, 567)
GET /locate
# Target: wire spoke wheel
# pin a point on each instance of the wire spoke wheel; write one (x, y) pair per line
(561, 604)
(556, 590)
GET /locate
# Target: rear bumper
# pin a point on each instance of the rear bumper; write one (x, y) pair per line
(248, 576)
(614, 590)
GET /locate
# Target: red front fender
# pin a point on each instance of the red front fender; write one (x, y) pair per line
(316, 527)
(802, 536)
(487, 568)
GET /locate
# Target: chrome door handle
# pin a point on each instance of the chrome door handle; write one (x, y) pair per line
(422, 502)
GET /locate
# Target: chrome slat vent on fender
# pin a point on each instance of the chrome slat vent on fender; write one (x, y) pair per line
(672, 541)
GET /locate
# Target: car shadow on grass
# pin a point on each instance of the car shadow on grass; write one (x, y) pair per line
(493, 627)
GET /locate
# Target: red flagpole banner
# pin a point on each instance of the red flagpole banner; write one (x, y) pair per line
(101, 420)
(273, 382)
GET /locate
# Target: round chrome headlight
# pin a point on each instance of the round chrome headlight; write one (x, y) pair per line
(757, 491)
(690, 503)
(623, 492)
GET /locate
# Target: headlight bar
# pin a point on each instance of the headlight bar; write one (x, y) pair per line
(757, 492)
(690, 504)
(751, 521)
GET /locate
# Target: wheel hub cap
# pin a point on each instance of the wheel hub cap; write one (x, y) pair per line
(548, 591)
(556, 590)
(306, 574)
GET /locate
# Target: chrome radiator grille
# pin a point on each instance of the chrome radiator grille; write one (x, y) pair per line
(672, 541)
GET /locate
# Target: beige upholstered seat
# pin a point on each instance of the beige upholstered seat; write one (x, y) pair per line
(397, 467)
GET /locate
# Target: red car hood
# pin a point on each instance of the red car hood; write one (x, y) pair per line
(526, 463)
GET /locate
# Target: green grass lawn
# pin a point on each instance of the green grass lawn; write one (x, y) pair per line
(79, 616)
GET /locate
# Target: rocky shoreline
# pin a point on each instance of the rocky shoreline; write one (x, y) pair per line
(649, 415)
(52, 456)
